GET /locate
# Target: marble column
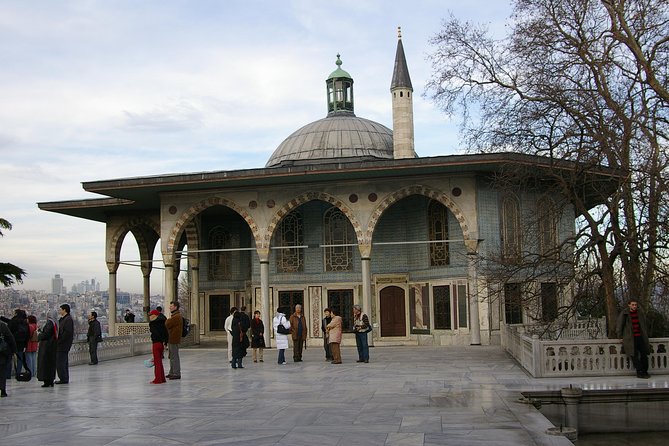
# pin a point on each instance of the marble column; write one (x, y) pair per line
(169, 286)
(472, 281)
(195, 299)
(147, 295)
(264, 297)
(265, 311)
(112, 303)
(367, 293)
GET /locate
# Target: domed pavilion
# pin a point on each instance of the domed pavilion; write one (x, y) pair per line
(344, 212)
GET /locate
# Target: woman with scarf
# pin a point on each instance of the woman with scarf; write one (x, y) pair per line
(46, 353)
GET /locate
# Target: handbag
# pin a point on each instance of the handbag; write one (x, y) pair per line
(281, 329)
(26, 375)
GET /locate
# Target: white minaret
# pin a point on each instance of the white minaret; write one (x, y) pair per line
(402, 92)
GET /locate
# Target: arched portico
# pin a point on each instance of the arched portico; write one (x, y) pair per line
(471, 244)
(146, 233)
(188, 230)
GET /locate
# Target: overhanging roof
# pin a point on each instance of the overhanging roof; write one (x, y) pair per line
(142, 193)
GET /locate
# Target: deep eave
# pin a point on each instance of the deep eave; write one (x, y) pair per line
(96, 209)
(142, 193)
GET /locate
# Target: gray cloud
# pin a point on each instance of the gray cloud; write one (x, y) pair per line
(174, 117)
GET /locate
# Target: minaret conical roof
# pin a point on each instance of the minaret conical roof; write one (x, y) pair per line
(401, 78)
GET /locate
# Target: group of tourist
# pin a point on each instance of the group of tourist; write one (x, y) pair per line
(239, 327)
(295, 328)
(43, 352)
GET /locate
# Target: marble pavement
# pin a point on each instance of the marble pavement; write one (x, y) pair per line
(424, 396)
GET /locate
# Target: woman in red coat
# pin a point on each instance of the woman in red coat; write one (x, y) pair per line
(33, 343)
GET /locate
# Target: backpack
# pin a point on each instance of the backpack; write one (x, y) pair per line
(185, 329)
(22, 332)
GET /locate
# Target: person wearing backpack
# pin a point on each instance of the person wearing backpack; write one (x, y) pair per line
(281, 338)
(18, 325)
(174, 325)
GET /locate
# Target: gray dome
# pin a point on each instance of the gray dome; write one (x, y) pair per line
(342, 135)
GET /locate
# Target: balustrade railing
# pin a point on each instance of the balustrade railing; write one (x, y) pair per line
(115, 347)
(577, 329)
(576, 357)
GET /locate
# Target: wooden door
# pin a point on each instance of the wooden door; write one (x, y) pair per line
(219, 309)
(392, 309)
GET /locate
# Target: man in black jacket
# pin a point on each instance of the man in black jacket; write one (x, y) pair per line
(5, 356)
(64, 343)
(93, 336)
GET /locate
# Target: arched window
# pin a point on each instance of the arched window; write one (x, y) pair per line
(219, 262)
(338, 232)
(510, 227)
(290, 233)
(547, 225)
(437, 217)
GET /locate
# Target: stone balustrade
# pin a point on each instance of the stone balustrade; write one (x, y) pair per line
(576, 357)
(576, 329)
(138, 342)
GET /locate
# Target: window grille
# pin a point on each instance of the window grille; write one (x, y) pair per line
(337, 231)
(219, 262)
(290, 233)
(438, 222)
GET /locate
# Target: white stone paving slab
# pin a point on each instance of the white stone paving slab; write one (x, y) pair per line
(420, 396)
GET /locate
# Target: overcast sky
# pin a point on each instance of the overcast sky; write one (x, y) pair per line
(94, 90)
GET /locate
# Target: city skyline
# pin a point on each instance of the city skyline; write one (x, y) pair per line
(98, 90)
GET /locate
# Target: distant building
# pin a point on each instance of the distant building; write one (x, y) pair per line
(57, 285)
(344, 212)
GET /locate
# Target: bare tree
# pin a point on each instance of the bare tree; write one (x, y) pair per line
(184, 292)
(579, 80)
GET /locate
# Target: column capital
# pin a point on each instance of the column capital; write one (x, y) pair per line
(365, 250)
(472, 246)
(112, 267)
(263, 254)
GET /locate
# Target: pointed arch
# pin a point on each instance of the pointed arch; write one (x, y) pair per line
(311, 196)
(193, 241)
(417, 190)
(144, 230)
(187, 217)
